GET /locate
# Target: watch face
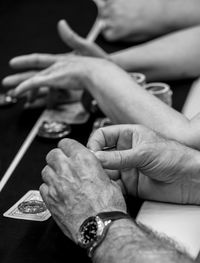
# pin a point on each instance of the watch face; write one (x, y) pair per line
(90, 231)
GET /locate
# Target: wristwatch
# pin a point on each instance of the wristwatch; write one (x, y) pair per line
(93, 230)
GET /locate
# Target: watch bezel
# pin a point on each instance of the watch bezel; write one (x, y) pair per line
(99, 232)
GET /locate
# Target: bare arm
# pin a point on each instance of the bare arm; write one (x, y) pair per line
(143, 20)
(127, 242)
(174, 56)
(124, 101)
(118, 96)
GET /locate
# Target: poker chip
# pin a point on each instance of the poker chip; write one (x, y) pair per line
(54, 129)
(6, 100)
(160, 90)
(139, 78)
(32, 207)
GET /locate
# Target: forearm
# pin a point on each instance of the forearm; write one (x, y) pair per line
(180, 14)
(173, 56)
(127, 242)
(124, 102)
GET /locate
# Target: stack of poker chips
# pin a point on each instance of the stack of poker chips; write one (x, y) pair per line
(160, 90)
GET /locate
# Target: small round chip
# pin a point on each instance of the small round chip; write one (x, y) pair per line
(54, 129)
(6, 100)
(32, 207)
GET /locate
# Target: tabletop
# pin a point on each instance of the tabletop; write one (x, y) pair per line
(29, 26)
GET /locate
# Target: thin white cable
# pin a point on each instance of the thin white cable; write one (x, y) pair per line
(21, 152)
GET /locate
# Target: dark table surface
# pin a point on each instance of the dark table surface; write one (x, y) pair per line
(29, 26)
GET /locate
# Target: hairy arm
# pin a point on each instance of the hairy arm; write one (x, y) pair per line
(173, 56)
(127, 242)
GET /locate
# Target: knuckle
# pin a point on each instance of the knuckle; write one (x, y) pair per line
(62, 143)
(43, 190)
(52, 155)
(44, 172)
(66, 142)
(122, 161)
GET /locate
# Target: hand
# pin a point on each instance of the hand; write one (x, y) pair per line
(167, 170)
(132, 19)
(65, 74)
(40, 62)
(76, 187)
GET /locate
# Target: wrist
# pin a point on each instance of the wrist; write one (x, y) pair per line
(119, 234)
(93, 230)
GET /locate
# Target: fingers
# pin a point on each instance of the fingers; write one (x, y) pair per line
(32, 83)
(104, 137)
(55, 159)
(117, 160)
(69, 37)
(113, 174)
(16, 79)
(109, 33)
(82, 46)
(44, 192)
(39, 61)
(36, 98)
(48, 175)
(100, 3)
(71, 147)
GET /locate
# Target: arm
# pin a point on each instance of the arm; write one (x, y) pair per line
(141, 20)
(125, 102)
(174, 56)
(127, 242)
(76, 187)
(118, 96)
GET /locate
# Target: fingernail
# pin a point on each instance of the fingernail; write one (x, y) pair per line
(12, 61)
(3, 82)
(12, 93)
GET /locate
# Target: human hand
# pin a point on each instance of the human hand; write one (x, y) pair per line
(166, 170)
(65, 74)
(39, 62)
(76, 187)
(132, 19)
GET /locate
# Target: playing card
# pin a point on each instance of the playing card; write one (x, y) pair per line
(26, 208)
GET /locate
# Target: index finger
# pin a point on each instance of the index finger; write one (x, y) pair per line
(71, 147)
(104, 137)
(30, 84)
(32, 61)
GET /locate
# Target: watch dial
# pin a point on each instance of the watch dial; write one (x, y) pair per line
(88, 232)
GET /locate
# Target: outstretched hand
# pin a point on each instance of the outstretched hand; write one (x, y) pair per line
(34, 64)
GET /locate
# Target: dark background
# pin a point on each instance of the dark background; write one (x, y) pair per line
(29, 27)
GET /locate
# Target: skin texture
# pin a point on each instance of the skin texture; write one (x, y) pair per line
(162, 170)
(143, 108)
(138, 21)
(153, 58)
(76, 187)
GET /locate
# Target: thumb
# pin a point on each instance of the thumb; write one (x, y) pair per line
(69, 37)
(118, 160)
